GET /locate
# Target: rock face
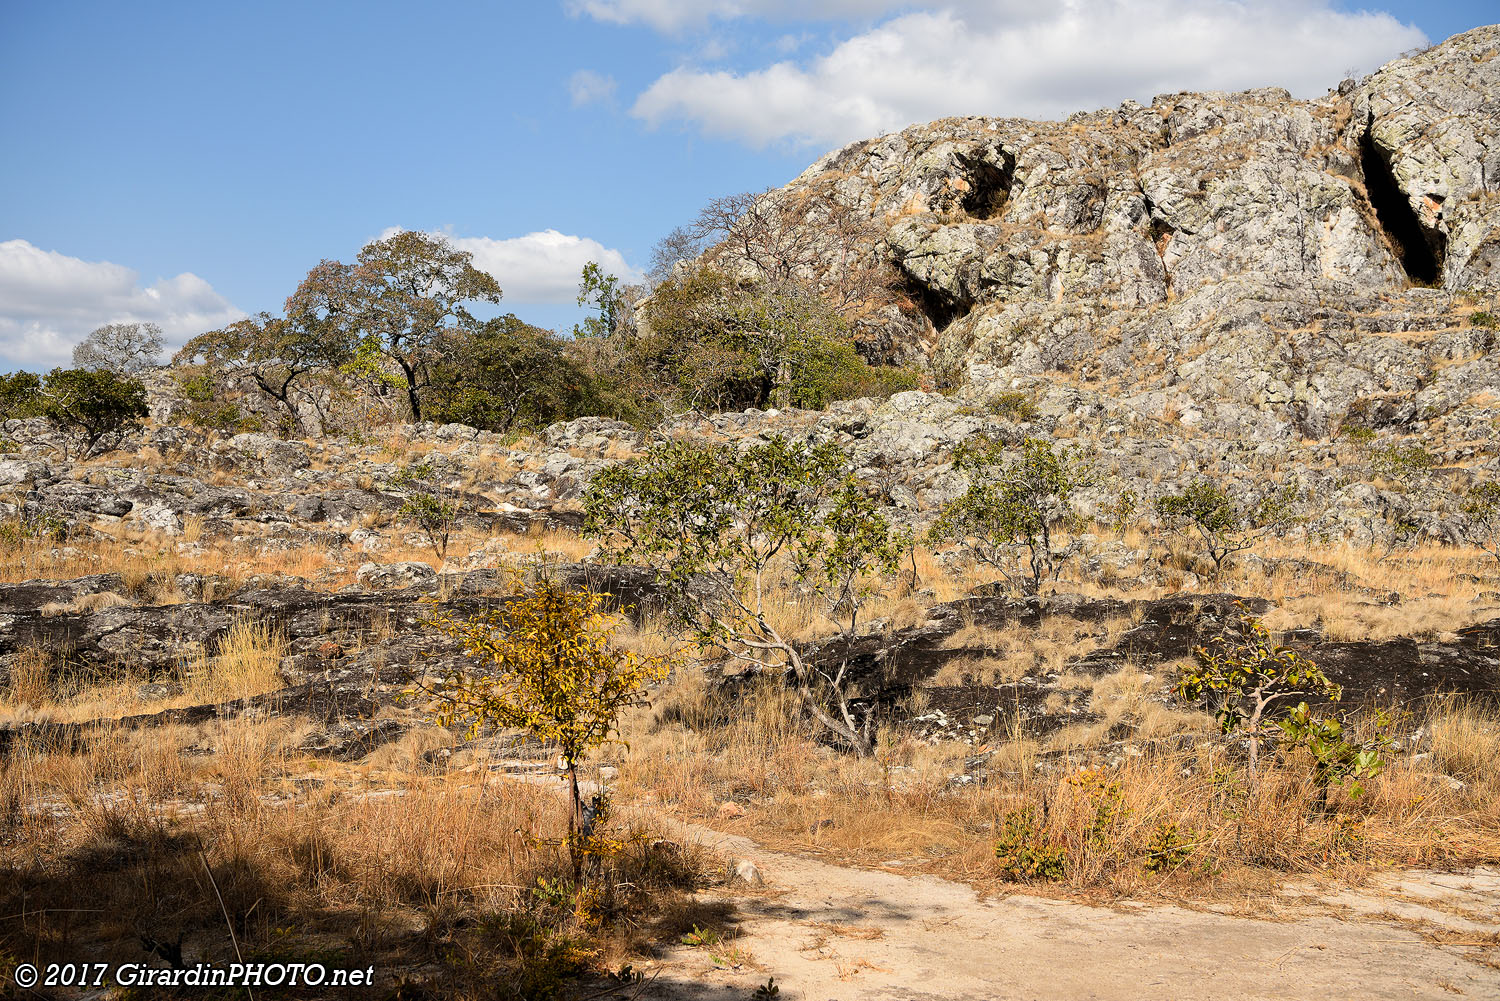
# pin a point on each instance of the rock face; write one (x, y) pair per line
(1239, 255)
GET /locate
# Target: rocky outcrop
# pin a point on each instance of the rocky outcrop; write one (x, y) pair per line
(1231, 254)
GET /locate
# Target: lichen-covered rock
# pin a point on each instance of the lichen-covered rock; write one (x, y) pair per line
(387, 576)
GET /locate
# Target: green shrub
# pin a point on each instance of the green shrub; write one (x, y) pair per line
(92, 409)
(1223, 526)
(1011, 509)
(1024, 852)
(1484, 319)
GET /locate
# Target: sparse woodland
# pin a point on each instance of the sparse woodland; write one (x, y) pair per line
(1006, 533)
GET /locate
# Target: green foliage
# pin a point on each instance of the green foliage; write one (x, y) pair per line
(33, 526)
(207, 407)
(1024, 852)
(1012, 507)
(722, 528)
(1168, 848)
(276, 356)
(1122, 510)
(1401, 462)
(20, 396)
(506, 376)
(602, 294)
(1481, 524)
(1483, 318)
(92, 408)
(1104, 803)
(766, 991)
(1337, 757)
(546, 961)
(434, 516)
(405, 295)
(1223, 526)
(1357, 434)
(1242, 678)
(727, 346)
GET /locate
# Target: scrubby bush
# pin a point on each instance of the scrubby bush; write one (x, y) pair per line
(1223, 525)
(547, 665)
(1481, 524)
(93, 409)
(726, 531)
(20, 396)
(1008, 516)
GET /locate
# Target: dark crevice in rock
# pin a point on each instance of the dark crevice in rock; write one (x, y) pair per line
(1420, 248)
(939, 309)
(989, 186)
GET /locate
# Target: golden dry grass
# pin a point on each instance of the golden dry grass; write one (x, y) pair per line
(698, 750)
(129, 837)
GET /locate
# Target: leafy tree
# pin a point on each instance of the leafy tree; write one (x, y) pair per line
(208, 405)
(20, 395)
(1008, 515)
(725, 529)
(1245, 678)
(92, 408)
(1223, 526)
(730, 345)
(402, 298)
(430, 506)
(273, 353)
(606, 297)
(1481, 526)
(121, 348)
(506, 375)
(1337, 758)
(546, 664)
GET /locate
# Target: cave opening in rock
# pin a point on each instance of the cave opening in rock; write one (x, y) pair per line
(938, 308)
(989, 187)
(1419, 248)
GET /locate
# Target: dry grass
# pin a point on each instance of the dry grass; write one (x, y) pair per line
(130, 839)
(45, 685)
(1211, 827)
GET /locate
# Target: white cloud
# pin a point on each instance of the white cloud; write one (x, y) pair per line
(50, 301)
(1040, 61)
(539, 268)
(588, 87)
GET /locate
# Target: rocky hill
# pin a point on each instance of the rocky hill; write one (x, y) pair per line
(1248, 264)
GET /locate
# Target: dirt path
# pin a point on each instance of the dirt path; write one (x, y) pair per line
(828, 932)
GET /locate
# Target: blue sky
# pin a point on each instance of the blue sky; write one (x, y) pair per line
(186, 162)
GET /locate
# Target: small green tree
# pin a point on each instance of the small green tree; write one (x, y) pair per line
(725, 530)
(1008, 516)
(430, 506)
(1481, 525)
(546, 664)
(603, 294)
(1245, 678)
(20, 396)
(1337, 758)
(92, 408)
(1223, 526)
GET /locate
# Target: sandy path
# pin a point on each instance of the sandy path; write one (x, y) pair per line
(929, 938)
